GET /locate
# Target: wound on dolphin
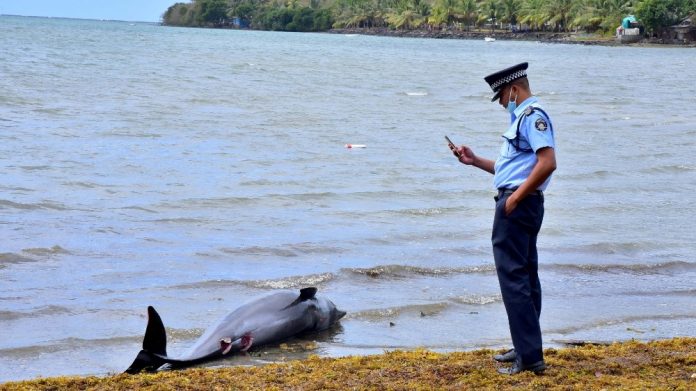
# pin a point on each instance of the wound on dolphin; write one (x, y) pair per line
(267, 319)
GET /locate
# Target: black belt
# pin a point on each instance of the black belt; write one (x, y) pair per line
(503, 191)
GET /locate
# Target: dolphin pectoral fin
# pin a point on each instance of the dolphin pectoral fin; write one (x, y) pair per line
(155, 340)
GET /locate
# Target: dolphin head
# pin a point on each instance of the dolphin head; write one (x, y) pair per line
(328, 313)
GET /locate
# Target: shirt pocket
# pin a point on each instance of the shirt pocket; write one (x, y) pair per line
(507, 150)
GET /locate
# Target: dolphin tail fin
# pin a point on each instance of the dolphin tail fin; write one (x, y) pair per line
(145, 361)
(154, 353)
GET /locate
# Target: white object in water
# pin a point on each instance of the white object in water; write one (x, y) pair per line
(356, 145)
(489, 39)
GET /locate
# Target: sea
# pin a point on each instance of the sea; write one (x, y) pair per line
(194, 170)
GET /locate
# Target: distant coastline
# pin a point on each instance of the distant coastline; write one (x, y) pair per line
(547, 37)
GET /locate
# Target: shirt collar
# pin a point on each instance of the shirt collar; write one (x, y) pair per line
(523, 106)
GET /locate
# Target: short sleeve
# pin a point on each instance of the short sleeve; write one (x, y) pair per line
(538, 131)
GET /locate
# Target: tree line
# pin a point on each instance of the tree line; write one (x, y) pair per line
(593, 16)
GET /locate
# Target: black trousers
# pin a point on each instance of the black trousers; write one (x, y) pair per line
(516, 261)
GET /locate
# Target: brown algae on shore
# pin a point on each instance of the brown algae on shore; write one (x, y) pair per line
(667, 364)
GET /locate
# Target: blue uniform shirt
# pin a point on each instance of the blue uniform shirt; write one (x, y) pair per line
(518, 155)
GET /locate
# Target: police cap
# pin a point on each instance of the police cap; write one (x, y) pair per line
(500, 79)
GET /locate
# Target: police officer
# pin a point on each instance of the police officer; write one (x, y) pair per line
(521, 174)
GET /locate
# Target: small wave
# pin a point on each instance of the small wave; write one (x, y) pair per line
(85, 185)
(12, 258)
(403, 271)
(257, 250)
(671, 169)
(55, 250)
(292, 282)
(279, 283)
(68, 344)
(378, 314)
(676, 292)
(621, 248)
(416, 93)
(179, 220)
(38, 312)
(477, 299)
(425, 212)
(642, 269)
(215, 202)
(124, 133)
(37, 206)
(140, 208)
(184, 334)
(291, 250)
(267, 182)
(11, 188)
(35, 168)
(599, 174)
(617, 321)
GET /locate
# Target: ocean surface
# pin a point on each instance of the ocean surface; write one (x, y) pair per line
(195, 169)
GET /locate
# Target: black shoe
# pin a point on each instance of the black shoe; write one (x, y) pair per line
(538, 368)
(508, 356)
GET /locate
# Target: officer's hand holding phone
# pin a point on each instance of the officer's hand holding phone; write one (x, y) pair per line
(463, 153)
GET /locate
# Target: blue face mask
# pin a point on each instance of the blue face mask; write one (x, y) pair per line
(512, 104)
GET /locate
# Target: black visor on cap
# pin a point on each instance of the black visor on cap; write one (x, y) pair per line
(502, 78)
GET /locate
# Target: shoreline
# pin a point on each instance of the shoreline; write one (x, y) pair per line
(544, 37)
(633, 365)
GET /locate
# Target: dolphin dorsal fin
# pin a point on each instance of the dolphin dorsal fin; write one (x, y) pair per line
(155, 340)
(307, 293)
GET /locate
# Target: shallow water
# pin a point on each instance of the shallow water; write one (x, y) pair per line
(193, 169)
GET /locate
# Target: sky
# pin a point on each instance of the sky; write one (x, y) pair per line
(128, 10)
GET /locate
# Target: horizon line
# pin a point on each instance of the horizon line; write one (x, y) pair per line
(77, 18)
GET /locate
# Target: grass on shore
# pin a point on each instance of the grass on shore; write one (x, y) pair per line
(668, 364)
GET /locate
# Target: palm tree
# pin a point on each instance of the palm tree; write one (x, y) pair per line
(409, 14)
(470, 12)
(445, 12)
(558, 12)
(533, 13)
(587, 15)
(493, 11)
(511, 9)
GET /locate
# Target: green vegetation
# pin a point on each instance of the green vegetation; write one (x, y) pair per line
(660, 365)
(592, 16)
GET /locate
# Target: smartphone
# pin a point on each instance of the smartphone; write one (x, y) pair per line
(451, 144)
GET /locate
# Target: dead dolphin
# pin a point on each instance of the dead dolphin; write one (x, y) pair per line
(268, 319)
